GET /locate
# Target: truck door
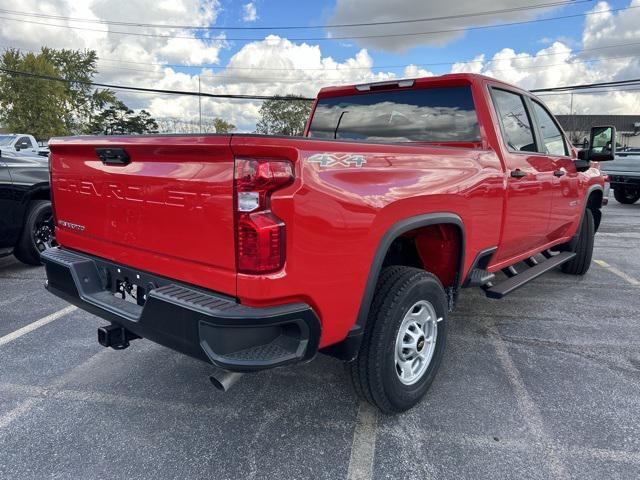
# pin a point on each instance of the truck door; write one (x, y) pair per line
(7, 207)
(565, 205)
(529, 178)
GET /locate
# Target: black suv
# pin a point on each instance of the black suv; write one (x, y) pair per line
(26, 217)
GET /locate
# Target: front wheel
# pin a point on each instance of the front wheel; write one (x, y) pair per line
(580, 264)
(626, 196)
(404, 339)
(37, 233)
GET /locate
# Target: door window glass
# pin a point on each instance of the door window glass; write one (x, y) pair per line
(24, 142)
(515, 122)
(552, 137)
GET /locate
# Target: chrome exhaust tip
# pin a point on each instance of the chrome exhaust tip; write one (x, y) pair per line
(223, 380)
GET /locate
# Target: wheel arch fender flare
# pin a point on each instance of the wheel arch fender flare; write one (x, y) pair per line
(588, 204)
(387, 239)
(38, 191)
(348, 348)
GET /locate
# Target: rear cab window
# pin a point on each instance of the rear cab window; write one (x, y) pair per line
(432, 114)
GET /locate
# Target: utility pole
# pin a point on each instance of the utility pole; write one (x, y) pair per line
(200, 104)
(573, 121)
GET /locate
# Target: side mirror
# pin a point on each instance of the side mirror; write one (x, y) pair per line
(602, 145)
(17, 147)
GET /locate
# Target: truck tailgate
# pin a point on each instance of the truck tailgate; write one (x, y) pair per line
(168, 210)
(623, 164)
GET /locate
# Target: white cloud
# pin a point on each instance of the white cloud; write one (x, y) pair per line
(182, 51)
(413, 71)
(277, 65)
(274, 66)
(250, 13)
(359, 11)
(558, 66)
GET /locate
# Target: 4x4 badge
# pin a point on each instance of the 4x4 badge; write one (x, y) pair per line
(333, 159)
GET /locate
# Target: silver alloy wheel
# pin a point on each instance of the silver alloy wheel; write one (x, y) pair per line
(416, 342)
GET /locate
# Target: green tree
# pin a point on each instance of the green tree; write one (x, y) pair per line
(283, 117)
(118, 119)
(44, 107)
(83, 100)
(31, 105)
(222, 126)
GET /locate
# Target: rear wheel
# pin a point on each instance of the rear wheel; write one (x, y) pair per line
(580, 264)
(37, 233)
(627, 196)
(404, 340)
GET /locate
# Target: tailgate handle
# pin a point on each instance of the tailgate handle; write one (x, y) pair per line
(113, 156)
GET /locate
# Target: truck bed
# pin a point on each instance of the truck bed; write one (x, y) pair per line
(170, 211)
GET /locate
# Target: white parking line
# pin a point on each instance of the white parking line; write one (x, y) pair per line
(617, 272)
(37, 324)
(20, 410)
(73, 374)
(528, 408)
(364, 443)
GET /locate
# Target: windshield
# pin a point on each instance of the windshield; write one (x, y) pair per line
(423, 115)
(6, 139)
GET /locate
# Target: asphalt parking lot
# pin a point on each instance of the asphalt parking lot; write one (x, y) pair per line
(543, 384)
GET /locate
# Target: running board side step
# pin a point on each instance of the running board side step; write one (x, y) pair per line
(517, 280)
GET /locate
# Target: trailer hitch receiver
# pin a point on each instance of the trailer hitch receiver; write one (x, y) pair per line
(115, 336)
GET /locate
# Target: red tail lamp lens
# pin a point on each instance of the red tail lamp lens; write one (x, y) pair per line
(260, 235)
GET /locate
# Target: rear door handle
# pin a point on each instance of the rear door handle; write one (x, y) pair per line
(559, 173)
(517, 173)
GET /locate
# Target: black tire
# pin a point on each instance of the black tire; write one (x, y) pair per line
(580, 264)
(373, 372)
(32, 242)
(626, 196)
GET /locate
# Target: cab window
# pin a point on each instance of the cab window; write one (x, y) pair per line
(435, 114)
(24, 142)
(552, 138)
(514, 121)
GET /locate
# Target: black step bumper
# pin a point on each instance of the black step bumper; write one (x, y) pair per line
(624, 180)
(205, 325)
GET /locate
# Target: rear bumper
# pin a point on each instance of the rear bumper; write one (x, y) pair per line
(624, 179)
(203, 324)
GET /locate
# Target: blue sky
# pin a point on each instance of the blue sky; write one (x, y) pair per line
(522, 38)
(532, 55)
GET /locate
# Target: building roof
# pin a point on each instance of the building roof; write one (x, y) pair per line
(623, 123)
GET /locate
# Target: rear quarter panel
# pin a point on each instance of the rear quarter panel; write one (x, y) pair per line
(336, 215)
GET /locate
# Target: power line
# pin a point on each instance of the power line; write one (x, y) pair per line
(341, 68)
(250, 78)
(293, 27)
(566, 88)
(569, 88)
(331, 38)
(155, 90)
(589, 92)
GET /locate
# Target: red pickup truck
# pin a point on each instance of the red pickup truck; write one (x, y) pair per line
(252, 252)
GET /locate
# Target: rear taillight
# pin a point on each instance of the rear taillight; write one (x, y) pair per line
(260, 235)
